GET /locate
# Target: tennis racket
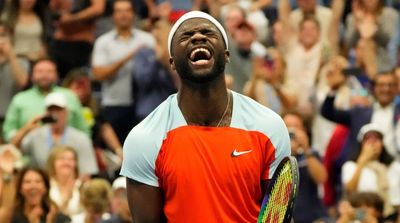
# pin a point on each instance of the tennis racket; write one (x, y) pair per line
(278, 202)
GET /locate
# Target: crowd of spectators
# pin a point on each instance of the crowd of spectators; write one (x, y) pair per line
(76, 76)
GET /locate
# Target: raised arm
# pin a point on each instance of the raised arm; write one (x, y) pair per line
(329, 112)
(145, 202)
(284, 10)
(333, 31)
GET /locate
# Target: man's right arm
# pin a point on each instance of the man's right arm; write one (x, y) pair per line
(145, 202)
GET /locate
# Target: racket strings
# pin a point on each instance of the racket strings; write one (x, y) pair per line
(279, 197)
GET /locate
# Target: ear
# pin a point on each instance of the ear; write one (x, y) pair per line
(227, 56)
(172, 64)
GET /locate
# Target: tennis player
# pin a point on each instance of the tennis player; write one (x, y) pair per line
(206, 153)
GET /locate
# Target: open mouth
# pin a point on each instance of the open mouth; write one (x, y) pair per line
(200, 56)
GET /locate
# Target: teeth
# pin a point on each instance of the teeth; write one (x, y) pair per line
(199, 50)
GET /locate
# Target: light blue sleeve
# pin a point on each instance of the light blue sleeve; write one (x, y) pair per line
(140, 154)
(281, 141)
(142, 146)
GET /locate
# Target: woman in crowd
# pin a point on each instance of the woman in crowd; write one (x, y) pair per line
(95, 197)
(364, 207)
(28, 21)
(371, 19)
(64, 183)
(368, 170)
(33, 204)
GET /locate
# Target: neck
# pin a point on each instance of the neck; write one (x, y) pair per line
(124, 32)
(45, 90)
(204, 105)
(58, 129)
(28, 208)
(65, 180)
(308, 47)
(384, 104)
(25, 11)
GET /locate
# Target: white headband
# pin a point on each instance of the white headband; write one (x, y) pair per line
(191, 15)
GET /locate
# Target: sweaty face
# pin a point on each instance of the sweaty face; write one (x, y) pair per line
(198, 51)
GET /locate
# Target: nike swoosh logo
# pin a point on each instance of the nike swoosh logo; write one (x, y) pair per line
(236, 153)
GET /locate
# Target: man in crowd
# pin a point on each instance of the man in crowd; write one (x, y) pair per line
(27, 105)
(112, 65)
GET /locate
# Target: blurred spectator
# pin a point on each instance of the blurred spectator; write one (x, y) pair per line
(397, 73)
(37, 142)
(154, 80)
(394, 188)
(306, 53)
(177, 7)
(30, 103)
(13, 72)
(234, 17)
(27, 18)
(312, 172)
(33, 203)
(95, 198)
(112, 65)
(254, 15)
(382, 112)
(267, 78)
(119, 203)
(103, 136)
(349, 90)
(310, 7)
(9, 157)
(367, 171)
(365, 207)
(371, 19)
(73, 37)
(242, 53)
(62, 166)
(365, 62)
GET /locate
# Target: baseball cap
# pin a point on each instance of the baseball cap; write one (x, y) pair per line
(371, 127)
(55, 99)
(119, 183)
